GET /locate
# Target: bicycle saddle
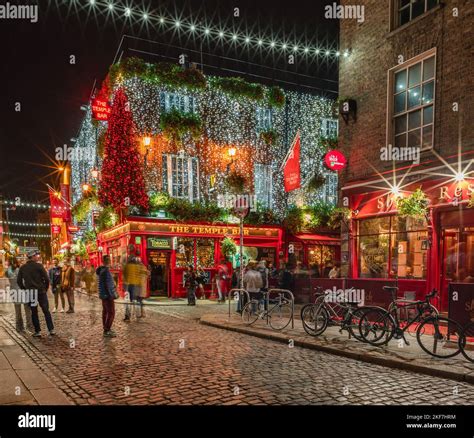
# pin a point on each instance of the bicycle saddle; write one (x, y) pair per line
(390, 288)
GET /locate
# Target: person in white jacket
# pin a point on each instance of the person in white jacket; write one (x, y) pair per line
(252, 280)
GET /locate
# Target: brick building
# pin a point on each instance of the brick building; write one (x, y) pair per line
(410, 75)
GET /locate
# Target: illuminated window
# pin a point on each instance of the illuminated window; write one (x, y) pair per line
(181, 102)
(412, 103)
(329, 128)
(263, 184)
(181, 176)
(264, 119)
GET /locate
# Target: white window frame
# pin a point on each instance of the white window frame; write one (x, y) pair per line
(264, 118)
(182, 102)
(409, 5)
(390, 125)
(328, 126)
(263, 183)
(192, 180)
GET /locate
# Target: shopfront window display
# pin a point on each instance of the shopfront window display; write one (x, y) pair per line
(392, 247)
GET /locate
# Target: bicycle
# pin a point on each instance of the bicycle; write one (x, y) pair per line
(279, 315)
(317, 316)
(466, 341)
(433, 333)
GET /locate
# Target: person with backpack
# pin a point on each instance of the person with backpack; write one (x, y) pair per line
(108, 294)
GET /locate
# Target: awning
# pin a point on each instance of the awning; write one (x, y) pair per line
(319, 239)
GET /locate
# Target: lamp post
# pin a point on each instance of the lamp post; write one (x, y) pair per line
(231, 153)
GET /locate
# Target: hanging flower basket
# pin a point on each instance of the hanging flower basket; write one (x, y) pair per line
(315, 182)
(414, 205)
(235, 182)
(228, 247)
(176, 125)
(269, 137)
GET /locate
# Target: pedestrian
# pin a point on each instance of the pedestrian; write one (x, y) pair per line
(88, 279)
(131, 282)
(263, 270)
(141, 290)
(286, 281)
(253, 282)
(335, 272)
(55, 281)
(19, 302)
(107, 294)
(32, 277)
(190, 283)
(221, 280)
(201, 280)
(68, 279)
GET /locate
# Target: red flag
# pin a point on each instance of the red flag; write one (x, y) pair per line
(291, 172)
(58, 210)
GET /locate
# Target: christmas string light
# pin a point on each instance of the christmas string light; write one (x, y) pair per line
(27, 224)
(209, 31)
(226, 122)
(47, 236)
(30, 205)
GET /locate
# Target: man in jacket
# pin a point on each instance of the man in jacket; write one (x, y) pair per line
(55, 281)
(68, 277)
(33, 277)
(253, 281)
(107, 294)
(131, 283)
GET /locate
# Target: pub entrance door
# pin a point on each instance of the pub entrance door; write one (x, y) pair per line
(457, 262)
(159, 266)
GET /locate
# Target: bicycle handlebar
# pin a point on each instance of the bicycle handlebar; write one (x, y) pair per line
(432, 294)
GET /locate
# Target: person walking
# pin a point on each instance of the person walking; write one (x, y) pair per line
(33, 277)
(142, 288)
(55, 281)
(108, 295)
(287, 279)
(201, 280)
(190, 283)
(12, 275)
(263, 270)
(253, 282)
(68, 279)
(221, 280)
(131, 283)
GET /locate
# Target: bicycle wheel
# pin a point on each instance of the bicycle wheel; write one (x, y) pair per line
(250, 312)
(435, 339)
(315, 319)
(353, 328)
(280, 315)
(376, 326)
(466, 342)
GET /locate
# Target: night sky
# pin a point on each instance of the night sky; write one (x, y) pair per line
(35, 68)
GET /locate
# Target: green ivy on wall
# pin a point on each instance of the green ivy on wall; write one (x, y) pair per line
(176, 125)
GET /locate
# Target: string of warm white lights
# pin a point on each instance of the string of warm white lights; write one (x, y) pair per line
(213, 32)
(31, 205)
(26, 224)
(26, 235)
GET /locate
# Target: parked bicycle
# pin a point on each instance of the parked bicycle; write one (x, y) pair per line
(279, 313)
(466, 341)
(436, 335)
(346, 314)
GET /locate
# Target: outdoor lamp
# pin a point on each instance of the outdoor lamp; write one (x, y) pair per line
(85, 187)
(232, 152)
(94, 173)
(147, 141)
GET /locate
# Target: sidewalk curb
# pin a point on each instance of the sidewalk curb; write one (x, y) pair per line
(387, 362)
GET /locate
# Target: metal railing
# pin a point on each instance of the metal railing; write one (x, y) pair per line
(232, 293)
(291, 298)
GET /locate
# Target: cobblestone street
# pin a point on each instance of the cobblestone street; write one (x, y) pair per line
(169, 358)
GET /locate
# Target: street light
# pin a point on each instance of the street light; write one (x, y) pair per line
(147, 141)
(86, 187)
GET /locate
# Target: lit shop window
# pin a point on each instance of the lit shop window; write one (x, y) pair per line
(407, 10)
(263, 184)
(181, 176)
(413, 104)
(392, 247)
(329, 128)
(184, 252)
(205, 253)
(184, 103)
(264, 119)
(321, 259)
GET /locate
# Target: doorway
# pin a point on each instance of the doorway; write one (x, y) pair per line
(457, 259)
(159, 266)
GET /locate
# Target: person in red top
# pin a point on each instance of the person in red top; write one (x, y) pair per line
(221, 280)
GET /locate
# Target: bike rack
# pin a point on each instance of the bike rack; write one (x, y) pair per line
(240, 291)
(292, 299)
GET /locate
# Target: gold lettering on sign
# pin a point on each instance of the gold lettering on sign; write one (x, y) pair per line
(443, 193)
(380, 203)
(458, 192)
